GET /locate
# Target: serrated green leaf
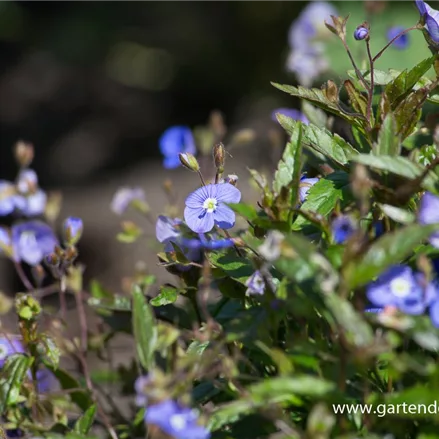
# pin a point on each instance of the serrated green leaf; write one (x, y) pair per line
(12, 375)
(399, 87)
(323, 196)
(233, 266)
(389, 143)
(48, 349)
(357, 100)
(167, 295)
(288, 169)
(322, 141)
(391, 248)
(316, 97)
(144, 328)
(85, 422)
(398, 165)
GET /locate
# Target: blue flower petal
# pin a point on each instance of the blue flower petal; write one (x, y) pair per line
(198, 219)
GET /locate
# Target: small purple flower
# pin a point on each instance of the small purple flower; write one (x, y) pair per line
(124, 197)
(139, 387)
(304, 186)
(73, 228)
(207, 244)
(400, 287)
(27, 181)
(292, 113)
(343, 227)
(361, 32)
(205, 207)
(176, 140)
(431, 17)
(429, 214)
(9, 346)
(255, 284)
(176, 421)
(33, 204)
(400, 43)
(32, 241)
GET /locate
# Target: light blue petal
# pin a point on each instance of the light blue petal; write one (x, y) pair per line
(198, 220)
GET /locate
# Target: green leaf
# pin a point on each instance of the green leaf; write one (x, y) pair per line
(168, 294)
(322, 141)
(408, 112)
(288, 169)
(247, 211)
(323, 196)
(399, 87)
(270, 392)
(357, 100)
(233, 266)
(391, 248)
(397, 214)
(85, 422)
(12, 375)
(81, 398)
(48, 349)
(398, 165)
(389, 143)
(144, 328)
(318, 98)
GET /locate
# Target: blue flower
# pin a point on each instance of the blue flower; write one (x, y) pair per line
(400, 287)
(176, 421)
(400, 43)
(176, 140)
(205, 207)
(343, 227)
(255, 284)
(33, 204)
(304, 186)
(307, 57)
(32, 241)
(429, 214)
(361, 32)
(27, 181)
(73, 228)
(203, 243)
(292, 113)
(431, 17)
(9, 346)
(124, 197)
(374, 310)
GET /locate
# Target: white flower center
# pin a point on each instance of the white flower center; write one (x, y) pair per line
(178, 422)
(210, 205)
(400, 287)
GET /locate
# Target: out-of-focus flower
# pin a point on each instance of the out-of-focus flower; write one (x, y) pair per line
(255, 284)
(73, 228)
(304, 186)
(176, 421)
(176, 140)
(271, 247)
(27, 181)
(33, 204)
(32, 241)
(124, 197)
(374, 310)
(207, 244)
(429, 214)
(5, 241)
(306, 38)
(431, 17)
(400, 43)
(400, 287)
(290, 112)
(9, 346)
(139, 387)
(343, 227)
(205, 207)
(361, 32)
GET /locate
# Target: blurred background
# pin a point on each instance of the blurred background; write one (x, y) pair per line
(94, 84)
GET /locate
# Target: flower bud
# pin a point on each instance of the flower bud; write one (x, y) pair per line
(72, 230)
(24, 153)
(70, 255)
(189, 161)
(232, 179)
(361, 32)
(52, 260)
(219, 156)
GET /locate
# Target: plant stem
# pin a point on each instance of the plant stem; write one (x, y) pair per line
(370, 94)
(378, 55)
(22, 275)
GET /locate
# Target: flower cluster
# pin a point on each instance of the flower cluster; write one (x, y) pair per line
(306, 38)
